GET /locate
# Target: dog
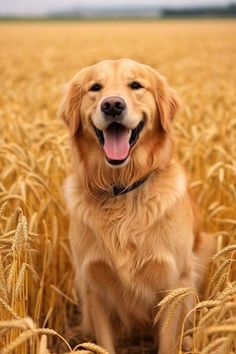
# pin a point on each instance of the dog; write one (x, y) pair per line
(133, 232)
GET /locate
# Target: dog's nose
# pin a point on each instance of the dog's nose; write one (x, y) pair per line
(113, 106)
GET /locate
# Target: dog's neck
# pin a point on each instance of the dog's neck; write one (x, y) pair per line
(103, 185)
(102, 182)
(119, 190)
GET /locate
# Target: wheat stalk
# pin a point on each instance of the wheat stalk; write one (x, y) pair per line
(90, 348)
(27, 334)
(8, 309)
(21, 323)
(173, 298)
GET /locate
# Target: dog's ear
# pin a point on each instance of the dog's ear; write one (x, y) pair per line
(166, 100)
(69, 109)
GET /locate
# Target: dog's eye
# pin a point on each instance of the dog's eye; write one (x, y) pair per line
(135, 85)
(95, 87)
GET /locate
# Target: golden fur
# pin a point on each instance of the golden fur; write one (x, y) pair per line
(130, 249)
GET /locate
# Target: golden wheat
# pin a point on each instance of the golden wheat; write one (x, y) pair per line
(36, 272)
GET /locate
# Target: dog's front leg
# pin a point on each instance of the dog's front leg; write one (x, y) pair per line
(100, 321)
(167, 337)
(169, 330)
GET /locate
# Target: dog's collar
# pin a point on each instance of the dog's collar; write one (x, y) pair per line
(119, 190)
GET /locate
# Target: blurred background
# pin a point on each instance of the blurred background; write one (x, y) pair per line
(83, 9)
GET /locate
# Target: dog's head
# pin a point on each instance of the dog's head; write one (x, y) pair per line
(119, 114)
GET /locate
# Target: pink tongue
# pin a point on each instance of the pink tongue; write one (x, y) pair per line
(116, 142)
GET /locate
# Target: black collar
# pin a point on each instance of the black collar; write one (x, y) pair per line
(119, 190)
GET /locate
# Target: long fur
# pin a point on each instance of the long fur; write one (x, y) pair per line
(129, 250)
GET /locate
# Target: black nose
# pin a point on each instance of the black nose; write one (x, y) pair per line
(113, 106)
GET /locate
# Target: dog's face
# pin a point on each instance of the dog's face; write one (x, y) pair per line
(119, 111)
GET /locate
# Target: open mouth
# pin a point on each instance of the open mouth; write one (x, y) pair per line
(117, 141)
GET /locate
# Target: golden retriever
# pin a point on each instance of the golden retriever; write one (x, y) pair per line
(133, 229)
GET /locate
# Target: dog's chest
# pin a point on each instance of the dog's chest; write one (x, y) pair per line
(147, 266)
(137, 252)
(133, 242)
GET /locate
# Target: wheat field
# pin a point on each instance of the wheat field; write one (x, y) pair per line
(38, 305)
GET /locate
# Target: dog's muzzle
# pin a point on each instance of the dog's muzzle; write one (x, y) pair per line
(112, 107)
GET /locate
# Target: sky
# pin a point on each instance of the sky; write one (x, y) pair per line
(40, 7)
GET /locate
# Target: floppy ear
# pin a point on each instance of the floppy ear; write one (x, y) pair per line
(69, 109)
(166, 101)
